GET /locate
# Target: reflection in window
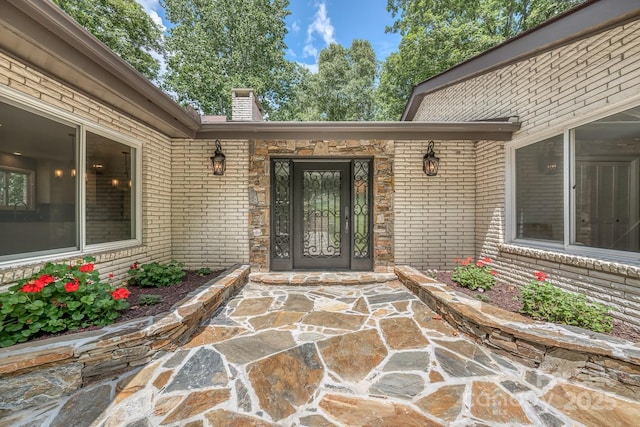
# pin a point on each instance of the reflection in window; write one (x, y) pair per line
(110, 207)
(539, 193)
(37, 190)
(607, 182)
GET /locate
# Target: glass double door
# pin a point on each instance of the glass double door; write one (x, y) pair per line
(321, 214)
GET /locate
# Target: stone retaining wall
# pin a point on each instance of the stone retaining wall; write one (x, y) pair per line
(599, 360)
(37, 372)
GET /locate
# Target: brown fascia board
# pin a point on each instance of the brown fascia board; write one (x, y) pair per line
(472, 131)
(41, 35)
(577, 23)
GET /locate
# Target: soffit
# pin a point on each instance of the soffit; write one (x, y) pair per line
(39, 34)
(490, 130)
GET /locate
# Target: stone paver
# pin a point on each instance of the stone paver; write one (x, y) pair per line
(339, 355)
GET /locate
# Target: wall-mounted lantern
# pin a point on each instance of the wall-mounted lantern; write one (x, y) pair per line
(58, 173)
(430, 162)
(218, 160)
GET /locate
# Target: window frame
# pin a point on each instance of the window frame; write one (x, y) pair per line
(83, 125)
(567, 130)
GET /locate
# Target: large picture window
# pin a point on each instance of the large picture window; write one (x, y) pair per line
(43, 181)
(602, 174)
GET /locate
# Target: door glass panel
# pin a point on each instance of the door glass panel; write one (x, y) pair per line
(321, 213)
(361, 230)
(282, 209)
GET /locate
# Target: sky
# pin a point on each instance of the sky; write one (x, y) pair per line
(314, 24)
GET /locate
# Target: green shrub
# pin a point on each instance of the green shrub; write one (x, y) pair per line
(150, 299)
(59, 297)
(156, 275)
(543, 301)
(474, 275)
(204, 271)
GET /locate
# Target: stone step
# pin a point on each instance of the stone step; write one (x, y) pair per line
(325, 278)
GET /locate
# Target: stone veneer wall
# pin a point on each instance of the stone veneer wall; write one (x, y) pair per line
(209, 214)
(156, 168)
(260, 153)
(37, 372)
(434, 215)
(568, 352)
(548, 92)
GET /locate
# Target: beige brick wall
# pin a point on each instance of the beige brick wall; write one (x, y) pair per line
(210, 214)
(434, 215)
(547, 92)
(156, 168)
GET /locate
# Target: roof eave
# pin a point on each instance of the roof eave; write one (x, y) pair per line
(41, 35)
(580, 22)
(490, 130)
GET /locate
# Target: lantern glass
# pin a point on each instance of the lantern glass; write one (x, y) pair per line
(430, 162)
(218, 161)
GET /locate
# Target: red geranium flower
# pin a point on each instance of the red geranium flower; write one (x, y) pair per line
(110, 275)
(71, 286)
(486, 260)
(540, 275)
(31, 287)
(134, 266)
(465, 262)
(494, 273)
(480, 264)
(120, 293)
(46, 279)
(87, 268)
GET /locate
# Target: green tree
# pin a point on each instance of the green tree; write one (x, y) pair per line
(218, 45)
(123, 26)
(438, 34)
(342, 89)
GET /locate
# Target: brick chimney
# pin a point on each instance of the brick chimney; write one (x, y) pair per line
(245, 106)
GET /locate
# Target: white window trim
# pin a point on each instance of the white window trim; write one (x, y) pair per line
(568, 131)
(36, 106)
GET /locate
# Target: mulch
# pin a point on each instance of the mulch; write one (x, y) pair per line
(504, 295)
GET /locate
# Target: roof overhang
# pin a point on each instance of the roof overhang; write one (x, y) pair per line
(41, 35)
(578, 23)
(484, 130)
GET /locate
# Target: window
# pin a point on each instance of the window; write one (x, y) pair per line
(602, 192)
(15, 188)
(41, 188)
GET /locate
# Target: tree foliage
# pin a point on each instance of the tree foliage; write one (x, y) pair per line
(438, 34)
(342, 89)
(218, 45)
(123, 26)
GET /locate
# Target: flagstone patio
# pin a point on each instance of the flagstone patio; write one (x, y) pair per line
(332, 355)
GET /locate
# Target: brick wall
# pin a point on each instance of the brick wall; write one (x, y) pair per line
(156, 169)
(434, 215)
(210, 214)
(547, 92)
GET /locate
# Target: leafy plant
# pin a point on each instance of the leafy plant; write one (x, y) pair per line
(150, 299)
(474, 275)
(156, 275)
(59, 297)
(204, 271)
(544, 301)
(482, 298)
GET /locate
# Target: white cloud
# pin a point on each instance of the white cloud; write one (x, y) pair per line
(322, 27)
(152, 7)
(295, 27)
(311, 67)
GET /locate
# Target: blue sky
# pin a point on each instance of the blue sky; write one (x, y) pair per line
(313, 24)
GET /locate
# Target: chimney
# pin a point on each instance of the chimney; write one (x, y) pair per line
(245, 106)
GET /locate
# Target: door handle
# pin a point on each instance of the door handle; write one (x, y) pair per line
(346, 219)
